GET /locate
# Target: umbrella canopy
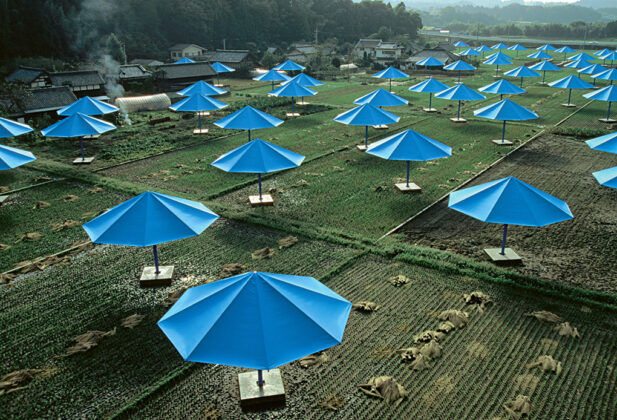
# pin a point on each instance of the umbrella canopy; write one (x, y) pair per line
(289, 66)
(544, 66)
(517, 47)
(581, 56)
(256, 320)
(10, 128)
(593, 69)
(483, 48)
(248, 118)
(609, 56)
(197, 103)
(578, 64)
(607, 94)
(460, 44)
(459, 65)
(546, 47)
(460, 93)
(430, 62)
(366, 115)
(409, 145)
(11, 157)
(150, 219)
(566, 50)
(602, 52)
(500, 46)
(498, 59)
(184, 60)
(609, 74)
(469, 52)
(607, 177)
(258, 157)
(78, 125)
(293, 89)
(272, 76)
(505, 110)
(221, 68)
(510, 201)
(381, 97)
(540, 55)
(306, 80)
(521, 72)
(201, 88)
(606, 143)
(571, 82)
(430, 85)
(391, 73)
(502, 87)
(87, 106)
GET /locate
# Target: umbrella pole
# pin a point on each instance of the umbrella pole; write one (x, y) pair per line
(292, 106)
(260, 378)
(430, 99)
(390, 84)
(497, 71)
(608, 114)
(521, 81)
(273, 85)
(259, 178)
(249, 130)
(81, 147)
(459, 76)
(366, 135)
(543, 75)
(569, 96)
(503, 240)
(503, 131)
(156, 260)
(408, 162)
(458, 113)
(199, 120)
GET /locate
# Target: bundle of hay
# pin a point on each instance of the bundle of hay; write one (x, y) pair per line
(173, 296)
(365, 306)
(132, 321)
(386, 388)
(399, 280)
(287, 242)
(427, 336)
(479, 299)
(565, 329)
(547, 364)
(263, 253)
(88, 340)
(21, 379)
(332, 402)
(521, 406)
(545, 316)
(313, 359)
(446, 327)
(458, 318)
(231, 269)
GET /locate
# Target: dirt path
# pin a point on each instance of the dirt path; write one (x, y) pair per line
(579, 252)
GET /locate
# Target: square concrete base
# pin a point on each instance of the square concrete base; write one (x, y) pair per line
(270, 395)
(219, 85)
(292, 114)
(203, 113)
(84, 161)
(509, 258)
(429, 109)
(501, 142)
(404, 188)
(380, 127)
(266, 200)
(361, 147)
(458, 120)
(3, 198)
(302, 103)
(150, 279)
(94, 136)
(607, 120)
(568, 105)
(200, 131)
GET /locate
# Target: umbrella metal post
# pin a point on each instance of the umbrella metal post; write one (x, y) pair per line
(260, 378)
(543, 75)
(249, 130)
(408, 163)
(503, 240)
(292, 106)
(497, 71)
(199, 120)
(366, 135)
(156, 259)
(259, 178)
(608, 114)
(81, 147)
(459, 76)
(521, 81)
(390, 84)
(430, 99)
(458, 113)
(569, 96)
(503, 131)
(273, 85)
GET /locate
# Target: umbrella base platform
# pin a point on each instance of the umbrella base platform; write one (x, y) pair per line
(509, 258)
(501, 142)
(93, 136)
(150, 279)
(264, 201)
(303, 103)
(458, 120)
(203, 113)
(361, 147)
(219, 85)
(200, 131)
(270, 395)
(380, 127)
(84, 161)
(3, 198)
(292, 114)
(429, 109)
(568, 105)
(607, 120)
(411, 188)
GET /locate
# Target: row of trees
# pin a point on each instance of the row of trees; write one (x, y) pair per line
(575, 30)
(78, 29)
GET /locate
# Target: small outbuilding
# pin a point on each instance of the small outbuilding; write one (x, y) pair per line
(235, 58)
(175, 77)
(81, 82)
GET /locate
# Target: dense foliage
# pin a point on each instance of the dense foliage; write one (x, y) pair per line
(79, 28)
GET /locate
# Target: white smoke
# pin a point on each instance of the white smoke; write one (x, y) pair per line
(111, 73)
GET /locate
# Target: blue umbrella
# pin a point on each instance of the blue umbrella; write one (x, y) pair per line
(429, 86)
(502, 87)
(366, 115)
(460, 93)
(581, 56)
(565, 50)
(390, 73)
(609, 56)
(221, 68)
(198, 103)
(184, 60)
(577, 64)
(521, 72)
(500, 46)
(201, 88)
(459, 66)
(11, 157)
(540, 55)
(78, 125)
(571, 82)
(292, 90)
(483, 48)
(546, 47)
(381, 97)
(606, 94)
(544, 66)
(602, 52)
(498, 59)
(593, 69)
(605, 143)
(517, 48)
(430, 62)
(258, 157)
(305, 80)
(87, 106)
(469, 52)
(9, 128)
(509, 201)
(609, 74)
(248, 118)
(607, 177)
(461, 44)
(289, 66)
(150, 219)
(505, 110)
(409, 145)
(256, 320)
(272, 76)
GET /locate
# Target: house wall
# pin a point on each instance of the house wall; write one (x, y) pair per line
(187, 52)
(388, 53)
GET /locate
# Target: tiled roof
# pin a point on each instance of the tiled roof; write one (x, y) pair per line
(188, 70)
(25, 74)
(367, 43)
(229, 56)
(132, 71)
(183, 46)
(44, 99)
(76, 78)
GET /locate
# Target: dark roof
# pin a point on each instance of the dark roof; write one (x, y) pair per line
(133, 71)
(188, 70)
(230, 56)
(367, 43)
(438, 53)
(146, 62)
(76, 78)
(43, 100)
(183, 46)
(25, 74)
(297, 56)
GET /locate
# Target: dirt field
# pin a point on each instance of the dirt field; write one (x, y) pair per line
(579, 252)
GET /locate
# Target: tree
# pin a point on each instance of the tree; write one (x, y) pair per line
(336, 62)
(268, 60)
(115, 49)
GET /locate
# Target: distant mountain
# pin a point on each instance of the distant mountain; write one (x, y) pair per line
(438, 4)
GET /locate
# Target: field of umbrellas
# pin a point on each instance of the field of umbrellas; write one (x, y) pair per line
(449, 333)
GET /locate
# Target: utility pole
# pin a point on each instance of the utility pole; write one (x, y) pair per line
(477, 32)
(224, 44)
(316, 35)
